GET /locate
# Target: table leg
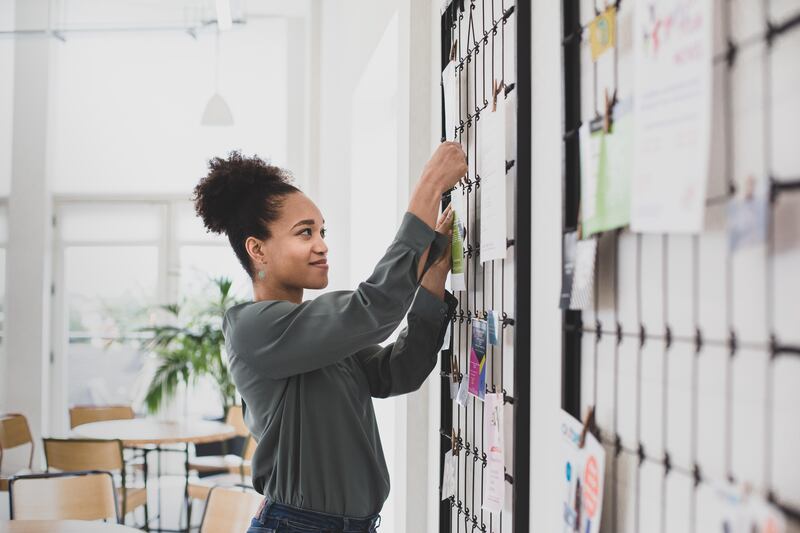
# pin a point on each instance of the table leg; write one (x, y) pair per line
(146, 494)
(187, 502)
(158, 480)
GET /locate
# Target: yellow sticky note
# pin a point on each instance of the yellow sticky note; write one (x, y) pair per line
(603, 32)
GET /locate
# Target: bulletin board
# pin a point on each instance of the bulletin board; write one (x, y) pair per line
(689, 350)
(479, 40)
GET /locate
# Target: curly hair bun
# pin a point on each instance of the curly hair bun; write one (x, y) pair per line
(239, 193)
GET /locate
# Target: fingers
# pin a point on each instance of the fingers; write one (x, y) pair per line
(445, 217)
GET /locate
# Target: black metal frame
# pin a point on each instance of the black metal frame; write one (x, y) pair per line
(520, 481)
(573, 326)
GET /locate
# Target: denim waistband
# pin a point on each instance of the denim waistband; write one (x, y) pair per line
(272, 509)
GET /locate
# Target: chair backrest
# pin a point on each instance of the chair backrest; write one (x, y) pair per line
(249, 448)
(235, 418)
(87, 495)
(14, 432)
(229, 509)
(72, 455)
(84, 414)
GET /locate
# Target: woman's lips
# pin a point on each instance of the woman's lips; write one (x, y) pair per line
(320, 265)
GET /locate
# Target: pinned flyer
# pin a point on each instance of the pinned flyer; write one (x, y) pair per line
(477, 359)
(737, 510)
(582, 471)
(606, 167)
(748, 215)
(672, 101)
(495, 476)
(494, 321)
(603, 32)
(457, 279)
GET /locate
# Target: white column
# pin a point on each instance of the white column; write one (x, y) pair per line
(29, 248)
(414, 149)
(296, 99)
(546, 154)
(313, 77)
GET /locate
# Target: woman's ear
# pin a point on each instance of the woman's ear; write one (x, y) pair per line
(256, 250)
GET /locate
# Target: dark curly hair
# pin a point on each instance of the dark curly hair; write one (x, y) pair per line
(239, 197)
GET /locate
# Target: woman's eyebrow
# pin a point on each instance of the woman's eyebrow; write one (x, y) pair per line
(307, 222)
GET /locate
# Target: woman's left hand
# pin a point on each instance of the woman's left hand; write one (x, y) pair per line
(435, 277)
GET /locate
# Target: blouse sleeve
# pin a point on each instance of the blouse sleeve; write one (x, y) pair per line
(402, 366)
(278, 338)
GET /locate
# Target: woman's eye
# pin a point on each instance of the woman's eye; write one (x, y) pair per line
(322, 232)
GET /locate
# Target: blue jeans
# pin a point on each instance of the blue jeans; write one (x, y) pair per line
(273, 517)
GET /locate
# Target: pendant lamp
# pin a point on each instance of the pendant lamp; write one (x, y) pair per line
(217, 112)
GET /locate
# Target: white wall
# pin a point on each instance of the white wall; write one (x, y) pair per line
(546, 194)
(126, 107)
(119, 113)
(360, 189)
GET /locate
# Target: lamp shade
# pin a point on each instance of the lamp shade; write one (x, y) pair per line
(217, 112)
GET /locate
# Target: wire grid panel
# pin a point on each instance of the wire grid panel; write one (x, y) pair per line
(691, 351)
(481, 35)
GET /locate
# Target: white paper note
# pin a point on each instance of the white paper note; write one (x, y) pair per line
(493, 422)
(446, 339)
(672, 114)
(492, 163)
(495, 458)
(449, 475)
(463, 389)
(494, 480)
(450, 84)
(583, 277)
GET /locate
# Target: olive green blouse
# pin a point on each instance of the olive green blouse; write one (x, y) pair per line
(307, 373)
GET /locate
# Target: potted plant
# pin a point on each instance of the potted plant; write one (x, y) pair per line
(190, 347)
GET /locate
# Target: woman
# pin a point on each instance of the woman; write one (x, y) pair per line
(306, 370)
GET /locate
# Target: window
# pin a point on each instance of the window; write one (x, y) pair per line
(118, 263)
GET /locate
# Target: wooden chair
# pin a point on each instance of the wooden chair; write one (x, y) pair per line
(229, 509)
(14, 432)
(84, 414)
(87, 495)
(238, 474)
(242, 467)
(75, 455)
(217, 464)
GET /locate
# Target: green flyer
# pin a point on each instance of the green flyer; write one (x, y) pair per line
(607, 165)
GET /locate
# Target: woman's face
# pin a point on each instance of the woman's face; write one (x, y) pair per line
(297, 243)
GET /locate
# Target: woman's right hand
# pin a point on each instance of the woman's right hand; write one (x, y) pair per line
(447, 165)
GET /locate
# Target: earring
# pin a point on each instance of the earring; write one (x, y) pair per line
(261, 274)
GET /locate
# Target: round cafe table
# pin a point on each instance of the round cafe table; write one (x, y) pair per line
(137, 432)
(61, 526)
(145, 431)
